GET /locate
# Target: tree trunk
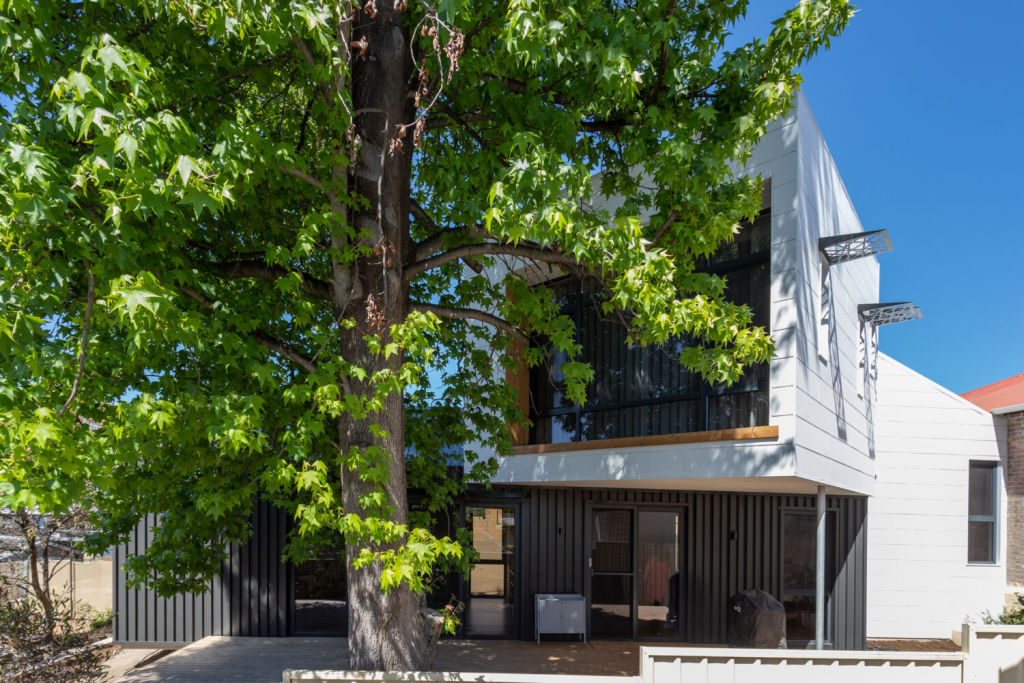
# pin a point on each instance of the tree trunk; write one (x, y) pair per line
(385, 631)
(40, 581)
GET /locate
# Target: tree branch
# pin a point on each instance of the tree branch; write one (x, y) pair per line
(441, 236)
(659, 81)
(257, 270)
(465, 126)
(90, 301)
(301, 175)
(306, 53)
(278, 347)
(665, 226)
(520, 88)
(431, 245)
(472, 314)
(610, 126)
(449, 117)
(489, 248)
(272, 343)
(302, 126)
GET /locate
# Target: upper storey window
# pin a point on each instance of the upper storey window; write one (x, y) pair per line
(643, 391)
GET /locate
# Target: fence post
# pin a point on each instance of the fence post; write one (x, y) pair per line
(646, 670)
(966, 634)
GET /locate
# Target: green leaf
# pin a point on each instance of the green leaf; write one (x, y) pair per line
(184, 167)
(127, 144)
(111, 57)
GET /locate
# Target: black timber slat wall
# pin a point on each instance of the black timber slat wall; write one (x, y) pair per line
(252, 596)
(733, 543)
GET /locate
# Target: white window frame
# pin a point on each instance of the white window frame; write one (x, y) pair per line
(994, 466)
(823, 308)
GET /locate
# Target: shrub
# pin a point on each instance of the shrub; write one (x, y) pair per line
(1014, 615)
(101, 619)
(34, 648)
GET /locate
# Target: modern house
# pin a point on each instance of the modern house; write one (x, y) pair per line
(665, 495)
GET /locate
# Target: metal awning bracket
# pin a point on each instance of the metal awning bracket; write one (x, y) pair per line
(843, 248)
(888, 313)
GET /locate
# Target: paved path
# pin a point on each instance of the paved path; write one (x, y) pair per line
(254, 660)
(258, 660)
(125, 659)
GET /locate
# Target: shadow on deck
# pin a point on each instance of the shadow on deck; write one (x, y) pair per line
(222, 658)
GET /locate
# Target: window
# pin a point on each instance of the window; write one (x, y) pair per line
(645, 391)
(982, 504)
(799, 567)
(824, 309)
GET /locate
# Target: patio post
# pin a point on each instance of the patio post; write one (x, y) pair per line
(819, 574)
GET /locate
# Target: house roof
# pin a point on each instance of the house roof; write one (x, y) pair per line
(1002, 394)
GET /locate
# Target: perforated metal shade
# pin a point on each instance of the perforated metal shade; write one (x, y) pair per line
(842, 248)
(888, 313)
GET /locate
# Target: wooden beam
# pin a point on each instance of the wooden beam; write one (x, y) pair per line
(519, 379)
(741, 434)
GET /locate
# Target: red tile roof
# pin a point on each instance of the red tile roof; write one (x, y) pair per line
(1001, 394)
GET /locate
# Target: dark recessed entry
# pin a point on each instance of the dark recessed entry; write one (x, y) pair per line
(321, 594)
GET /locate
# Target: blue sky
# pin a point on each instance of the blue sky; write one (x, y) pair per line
(921, 104)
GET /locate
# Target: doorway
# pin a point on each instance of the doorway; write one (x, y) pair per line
(635, 566)
(491, 589)
(321, 593)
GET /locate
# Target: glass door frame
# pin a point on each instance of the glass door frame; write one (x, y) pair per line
(517, 559)
(832, 563)
(292, 581)
(683, 510)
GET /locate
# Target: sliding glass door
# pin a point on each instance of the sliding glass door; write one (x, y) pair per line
(490, 594)
(658, 574)
(799, 567)
(613, 572)
(635, 557)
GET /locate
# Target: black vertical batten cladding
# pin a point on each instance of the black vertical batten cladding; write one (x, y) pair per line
(733, 542)
(251, 597)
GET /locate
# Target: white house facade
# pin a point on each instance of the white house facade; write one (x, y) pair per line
(934, 557)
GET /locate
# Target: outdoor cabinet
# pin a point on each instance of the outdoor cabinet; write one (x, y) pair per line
(560, 613)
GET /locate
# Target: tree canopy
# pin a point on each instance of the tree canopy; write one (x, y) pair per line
(263, 248)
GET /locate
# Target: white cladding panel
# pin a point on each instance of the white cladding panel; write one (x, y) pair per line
(823, 432)
(776, 159)
(919, 582)
(831, 427)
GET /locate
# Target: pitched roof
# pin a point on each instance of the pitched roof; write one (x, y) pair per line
(1001, 394)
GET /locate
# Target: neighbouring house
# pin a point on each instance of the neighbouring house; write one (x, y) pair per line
(84, 579)
(1005, 400)
(664, 495)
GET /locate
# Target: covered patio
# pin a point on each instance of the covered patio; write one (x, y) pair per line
(224, 658)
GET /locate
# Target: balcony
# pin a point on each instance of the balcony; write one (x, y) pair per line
(643, 395)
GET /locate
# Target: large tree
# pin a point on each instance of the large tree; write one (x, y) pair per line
(265, 248)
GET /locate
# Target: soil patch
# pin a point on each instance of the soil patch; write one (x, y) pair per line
(913, 644)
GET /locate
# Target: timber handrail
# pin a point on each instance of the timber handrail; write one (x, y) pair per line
(741, 434)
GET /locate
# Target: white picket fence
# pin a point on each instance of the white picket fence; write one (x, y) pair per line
(991, 654)
(721, 665)
(294, 676)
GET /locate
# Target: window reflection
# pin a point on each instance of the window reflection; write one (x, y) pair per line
(641, 391)
(799, 568)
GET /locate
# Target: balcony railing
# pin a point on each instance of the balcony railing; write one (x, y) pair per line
(645, 391)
